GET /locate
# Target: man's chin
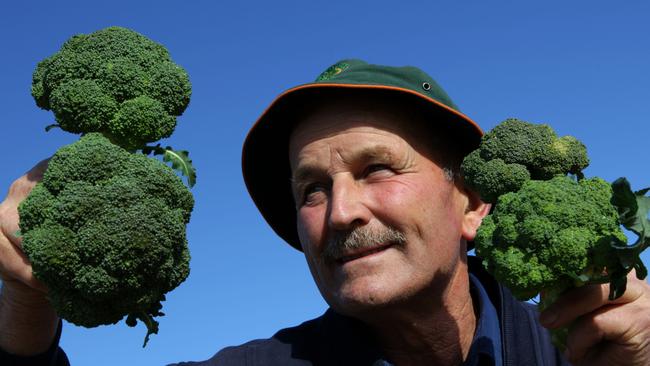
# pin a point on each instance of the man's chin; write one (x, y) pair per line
(360, 303)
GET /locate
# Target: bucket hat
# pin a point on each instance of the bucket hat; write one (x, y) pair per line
(265, 155)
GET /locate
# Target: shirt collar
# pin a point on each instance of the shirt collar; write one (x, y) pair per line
(485, 349)
(486, 345)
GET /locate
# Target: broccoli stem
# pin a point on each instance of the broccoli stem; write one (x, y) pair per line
(152, 325)
(549, 296)
(559, 335)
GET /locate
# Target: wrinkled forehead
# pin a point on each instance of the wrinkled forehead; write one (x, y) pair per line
(376, 118)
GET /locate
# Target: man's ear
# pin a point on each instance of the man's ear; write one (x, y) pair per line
(475, 211)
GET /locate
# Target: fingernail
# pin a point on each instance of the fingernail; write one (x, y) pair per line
(548, 317)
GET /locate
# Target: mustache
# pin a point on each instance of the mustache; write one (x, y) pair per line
(361, 237)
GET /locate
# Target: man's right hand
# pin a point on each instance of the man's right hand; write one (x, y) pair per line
(28, 323)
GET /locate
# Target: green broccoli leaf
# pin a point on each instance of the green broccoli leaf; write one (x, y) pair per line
(149, 322)
(156, 150)
(617, 286)
(179, 160)
(152, 326)
(641, 270)
(633, 207)
(49, 127)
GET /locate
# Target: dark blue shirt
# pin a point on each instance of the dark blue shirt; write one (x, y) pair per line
(486, 345)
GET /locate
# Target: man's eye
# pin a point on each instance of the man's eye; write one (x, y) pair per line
(377, 168)
(313, 192)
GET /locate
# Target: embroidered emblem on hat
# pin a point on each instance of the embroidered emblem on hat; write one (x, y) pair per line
(333, 71)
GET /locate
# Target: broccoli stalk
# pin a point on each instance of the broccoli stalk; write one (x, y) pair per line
(105, 228)
(551, 229)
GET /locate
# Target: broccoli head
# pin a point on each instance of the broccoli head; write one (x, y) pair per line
(548, 234)
(114, 81)
(514, 152)
(551, 228)
(105, 231)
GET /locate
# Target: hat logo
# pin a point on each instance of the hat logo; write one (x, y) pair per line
(333, 71)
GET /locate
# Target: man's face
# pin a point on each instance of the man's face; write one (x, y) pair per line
(364, 170)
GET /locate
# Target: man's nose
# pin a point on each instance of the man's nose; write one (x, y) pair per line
(347, 208)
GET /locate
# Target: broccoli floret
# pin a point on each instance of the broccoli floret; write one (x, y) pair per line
(545, 235)
(550, 231)
(105, 231)
(514, 152)
(113, 81)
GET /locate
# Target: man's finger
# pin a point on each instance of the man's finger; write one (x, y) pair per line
(610, 323)
(18, 191)
(586, 299)
(14, 262)
(23, 185)
(14, 265)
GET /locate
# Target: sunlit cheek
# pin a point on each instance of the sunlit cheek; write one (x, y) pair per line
(424, 210)
(401, 205)
(390, 194)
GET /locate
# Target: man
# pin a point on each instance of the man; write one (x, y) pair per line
(359, 170)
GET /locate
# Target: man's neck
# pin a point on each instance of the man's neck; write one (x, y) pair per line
(435, 331)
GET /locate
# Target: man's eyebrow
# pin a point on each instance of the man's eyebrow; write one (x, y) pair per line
(303, 173)
(380, 153)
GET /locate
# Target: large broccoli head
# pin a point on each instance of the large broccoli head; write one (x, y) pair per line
(113, 81)
(514, 152)
(548, 234)
(105, 231)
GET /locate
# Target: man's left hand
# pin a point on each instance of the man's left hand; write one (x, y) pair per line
(604, 332)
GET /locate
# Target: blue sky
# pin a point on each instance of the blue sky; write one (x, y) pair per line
(581, 66)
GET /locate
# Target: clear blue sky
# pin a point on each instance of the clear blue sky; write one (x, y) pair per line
(581, 66)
